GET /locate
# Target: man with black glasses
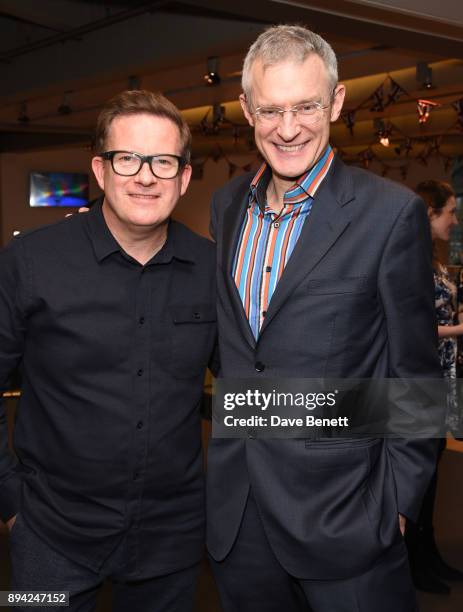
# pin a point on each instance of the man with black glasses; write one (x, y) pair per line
(112, 315)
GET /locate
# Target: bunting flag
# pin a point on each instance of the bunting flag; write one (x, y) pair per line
(395, 92)
(349, 119)
(408, 146)
(458, 106)
(422, 158)
(216, 154)
(366, 157)
(378, 100)
(434, 146)
(231, 169)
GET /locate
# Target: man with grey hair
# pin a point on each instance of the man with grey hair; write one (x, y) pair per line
(324, 272)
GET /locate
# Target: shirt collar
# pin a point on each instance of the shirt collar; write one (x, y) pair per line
(304, 187)
(178, 244)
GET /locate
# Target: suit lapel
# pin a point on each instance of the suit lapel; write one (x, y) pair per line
(326, 222)
(232, 223)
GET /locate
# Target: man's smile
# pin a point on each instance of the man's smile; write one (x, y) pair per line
(294, 148)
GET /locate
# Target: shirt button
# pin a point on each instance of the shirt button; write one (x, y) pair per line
(259, 366)
(276, 224)
(140, 372)
(196, 315)
(141, 320)
(140, 425)
(268, 268)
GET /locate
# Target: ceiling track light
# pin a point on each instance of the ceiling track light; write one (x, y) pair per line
(383, 131)
(212, 76)
(133, 82)
(424, 75)
(23, 117)
(65, 108)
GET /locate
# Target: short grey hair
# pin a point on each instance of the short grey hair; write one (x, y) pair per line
(288, 42)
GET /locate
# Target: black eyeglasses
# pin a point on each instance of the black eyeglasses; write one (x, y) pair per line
(127, 163)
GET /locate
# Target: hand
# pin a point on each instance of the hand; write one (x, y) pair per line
(402, 523)
(81, 210)
(10, 522)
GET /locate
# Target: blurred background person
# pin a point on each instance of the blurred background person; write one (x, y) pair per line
(429, 570)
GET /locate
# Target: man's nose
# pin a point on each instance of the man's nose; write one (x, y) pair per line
(289, 126)
(144, 175)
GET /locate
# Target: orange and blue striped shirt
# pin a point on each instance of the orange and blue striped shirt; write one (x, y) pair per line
(267, 238)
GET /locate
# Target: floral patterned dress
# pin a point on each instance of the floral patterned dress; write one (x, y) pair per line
(445, 297)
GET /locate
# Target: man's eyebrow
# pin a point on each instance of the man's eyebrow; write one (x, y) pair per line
(304, 101)
(308, 100)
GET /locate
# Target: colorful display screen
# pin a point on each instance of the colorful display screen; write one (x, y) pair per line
(58, 189)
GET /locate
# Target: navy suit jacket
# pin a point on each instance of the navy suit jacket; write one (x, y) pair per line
(356, 299)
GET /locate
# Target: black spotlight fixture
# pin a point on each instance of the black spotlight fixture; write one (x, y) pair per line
(133, 82)
(65, 108)
(424, 75)
(23, 117)
(212, 76)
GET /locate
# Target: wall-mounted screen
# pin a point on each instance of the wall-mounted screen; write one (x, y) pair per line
(58, 189)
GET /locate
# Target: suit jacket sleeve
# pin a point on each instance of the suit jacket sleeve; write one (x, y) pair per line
(406, 289)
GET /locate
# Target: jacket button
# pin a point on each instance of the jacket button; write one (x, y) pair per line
(196, 315)
(259, 366)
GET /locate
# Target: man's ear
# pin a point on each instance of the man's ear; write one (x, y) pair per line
(338, 101)
(247, 114)
(185, 178)
(98, 170)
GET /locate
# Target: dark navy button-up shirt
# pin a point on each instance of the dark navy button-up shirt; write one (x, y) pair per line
(113, 358)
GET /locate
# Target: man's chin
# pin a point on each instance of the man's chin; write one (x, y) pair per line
(290, 169)
(289, 175)
(146, 224)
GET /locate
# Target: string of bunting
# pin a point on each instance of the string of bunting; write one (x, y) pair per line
(385, 95)
(388, 93)
(430, 147)
(217, 153)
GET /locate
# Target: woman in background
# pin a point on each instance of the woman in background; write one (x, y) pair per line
(429, 570)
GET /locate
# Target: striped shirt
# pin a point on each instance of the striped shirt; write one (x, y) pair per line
(267, 238)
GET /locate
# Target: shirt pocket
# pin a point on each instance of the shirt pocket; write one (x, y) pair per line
(193, 337)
